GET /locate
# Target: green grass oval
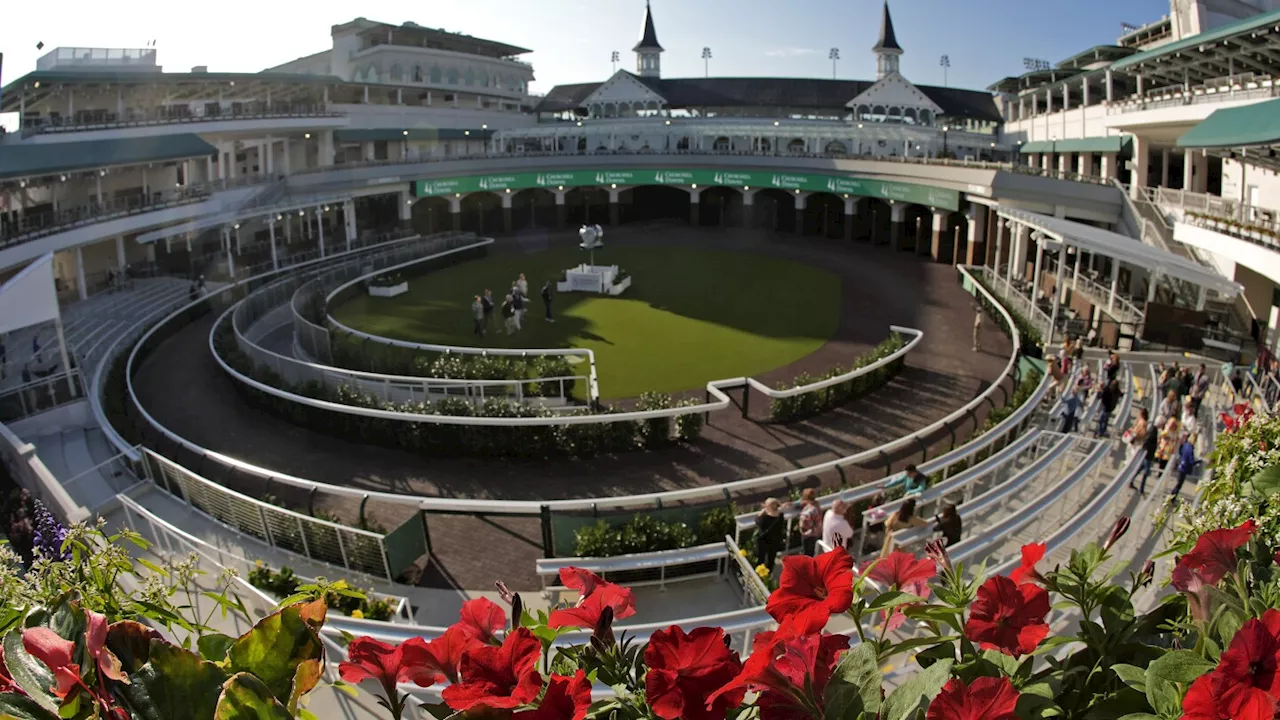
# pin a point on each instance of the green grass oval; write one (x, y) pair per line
(690, 316)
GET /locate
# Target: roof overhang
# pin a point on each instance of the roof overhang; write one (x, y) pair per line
(1060, 231)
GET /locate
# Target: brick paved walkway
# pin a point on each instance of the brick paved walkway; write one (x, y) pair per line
(182, 386)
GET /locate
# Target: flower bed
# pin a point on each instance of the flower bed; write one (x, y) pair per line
(285, 584)
(798, 407)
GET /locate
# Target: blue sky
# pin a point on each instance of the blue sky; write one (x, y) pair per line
(572, 39)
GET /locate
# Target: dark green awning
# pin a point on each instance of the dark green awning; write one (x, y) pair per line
(1038, 146)
(46, 158)
(419, 134)
(1107, 144)
(1257, 124)
(1169, 50)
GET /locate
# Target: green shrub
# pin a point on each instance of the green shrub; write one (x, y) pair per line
(285, 583)
(716, 523)
(655, 432)
(798, 407)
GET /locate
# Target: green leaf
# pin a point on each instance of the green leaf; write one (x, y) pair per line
(923, 686)
(1007, 664)
(131, 642)
(892, 599)
(1139, 716)
(1163, 696)
(29, 673)
(440, 711)
(18, 707)
(152, 567)
(245, 697)
(1132, 675)
(937, 653)
(854, 688)
(273, 650)
(1179, 666)
(1266, 481)
(214, 646)
(175, 684)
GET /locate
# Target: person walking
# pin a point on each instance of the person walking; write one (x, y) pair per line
(977, 330)
(1108, 399)
(1149, 445)
(1070, 411)
(1136, 435)
(1200, 387)
(1186, 461)
(477, 314)
(771, 529)
(546, 300)
(523, 285)
(1112, 368)
(517, 303)
(810, 520)
(509, 314)
(486, 301)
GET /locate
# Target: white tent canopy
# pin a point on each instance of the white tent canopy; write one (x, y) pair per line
(30, 298)
(1122, 248)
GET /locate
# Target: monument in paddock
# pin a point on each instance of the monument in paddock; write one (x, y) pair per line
(601, 279)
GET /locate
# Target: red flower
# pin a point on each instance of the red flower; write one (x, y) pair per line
(1008, 617)
(587, 614)
(902, 571)
(1248, 674)
(812, 589)
(567, 698)
(482, 619)
(56, 653)
(684, 669)
(443, 655)
(1215, 552)
(370, 659)
(985, 698)
(1200, 703)
(1026, 572)
(781, 663)
(1192, 584)
(584, 581)
(499, 678)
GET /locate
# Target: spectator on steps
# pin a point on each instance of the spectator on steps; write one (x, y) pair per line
(904, 519)
(771, 533)
(1070, 410)
(1149, 445)
(1108, 399)
(948, 524)
(912, 481)
(509, 314)
(1136, 435)
(478, 314)
(810, 520)
(517, 304)
(836, 530)
(1168, 408)
(1186, 461)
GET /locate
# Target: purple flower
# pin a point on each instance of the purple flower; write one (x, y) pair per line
(49, 534)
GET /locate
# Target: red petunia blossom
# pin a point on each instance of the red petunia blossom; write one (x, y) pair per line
(498, 678)
(781, 664)
(811, 590)
(684, 669)
(567, 698)
(369, 659)
(57, 654)
(986, 698)
(902, 571)
(481, 618)
(1248, 674)
(1191, 583)
(1032, 553)
(1200, 702)
(584, 581)
(1215, 552)
(1008, 617)
(587, 614)
(442, 656)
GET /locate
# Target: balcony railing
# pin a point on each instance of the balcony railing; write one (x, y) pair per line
(1257, 225)
(172, 116)
(30, 226)
(1228, 90)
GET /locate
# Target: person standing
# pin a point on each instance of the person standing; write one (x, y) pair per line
(1070, 411)
(904, 519)
(836, 528)
(771, 530)
(523, 285)
(1149, 445)
(810, 520)
(949, 524)
(1109, 398)
(977, 330)
(478, 314)
(486, 301)
(509, 314)
(1186, 461)
(1200, 387)
(1112, 368)
(546, 299)
(517, 303)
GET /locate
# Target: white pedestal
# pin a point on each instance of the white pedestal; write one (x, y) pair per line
(599, 279)
(388, 290)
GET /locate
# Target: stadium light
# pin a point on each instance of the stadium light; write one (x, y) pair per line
(945, 62)
(834, 57)
(706, 61)
(614, 59)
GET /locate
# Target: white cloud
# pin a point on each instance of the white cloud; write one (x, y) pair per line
(790, 52)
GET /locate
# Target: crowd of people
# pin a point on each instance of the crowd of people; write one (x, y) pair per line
(1172, 436)
(512, 308)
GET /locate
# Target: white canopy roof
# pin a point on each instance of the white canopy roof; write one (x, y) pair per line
(1122, 248)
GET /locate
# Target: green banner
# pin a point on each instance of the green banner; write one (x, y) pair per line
(804, 182)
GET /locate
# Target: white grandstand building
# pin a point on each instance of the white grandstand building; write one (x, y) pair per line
(1127, 194)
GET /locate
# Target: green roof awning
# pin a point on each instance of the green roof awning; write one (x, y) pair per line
(420, 134)
(1257, 124)
(1229, 30)
(33, 159)
(1038, 146)
(1107, 144)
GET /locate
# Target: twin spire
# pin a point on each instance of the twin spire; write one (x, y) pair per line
(648, 62)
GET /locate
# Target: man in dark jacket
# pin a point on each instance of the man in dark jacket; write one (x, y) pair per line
(546, 299)
(1109, 398)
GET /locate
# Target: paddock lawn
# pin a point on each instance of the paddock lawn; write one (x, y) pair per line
(689, 316)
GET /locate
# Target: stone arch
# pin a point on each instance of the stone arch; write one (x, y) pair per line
(721, 206)
(955, 238)
(587, 205)
(873, 221)
(774, 209)
(648, 203)
(371, 73)
(917, 229)
(397, 73)
(533, 208)
(879, 111)
(484, 79)
(452, 75)
(683, 143)
(481, 212)
(437, 75)
(836, 147)
(417, 73)
(432, 215)
(722, 144)
(823, 215)
(926, 117)
(796, 146)
(766, 145)
(469, 77)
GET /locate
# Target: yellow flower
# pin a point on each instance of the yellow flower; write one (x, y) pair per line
(357, 614)
(742, 552)
(762, 571)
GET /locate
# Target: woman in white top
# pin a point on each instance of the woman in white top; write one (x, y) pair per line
(834, 523)
(523, 285)
(1189, 424)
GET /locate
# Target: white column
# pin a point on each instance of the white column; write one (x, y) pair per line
(1152, 277)
(1201, 297)
(1057, 296)
(231, 256)
(1138, 176)
(1035, 281)
(1084, 163)
(120, 259)
(275, 259)
(1188, 170)
(349, 213)
(284, 156)
(995, 263)
(1115, 283)
(406, 204)
(320, 229)
(1075, 276)
(1109, 165)
(1064, 163)
(1164, 167)
(326, 149)
(80, 284)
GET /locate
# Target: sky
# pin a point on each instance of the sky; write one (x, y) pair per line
(572, 39)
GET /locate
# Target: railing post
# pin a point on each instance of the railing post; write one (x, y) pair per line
(386, 562)
(342, 549)
(302, 533)
(548, 534)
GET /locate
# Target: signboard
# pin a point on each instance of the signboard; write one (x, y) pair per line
(790, 181)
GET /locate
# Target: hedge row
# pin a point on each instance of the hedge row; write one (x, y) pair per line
(798, 407)
(1027, 333)
(644, 533)
(436, 439)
